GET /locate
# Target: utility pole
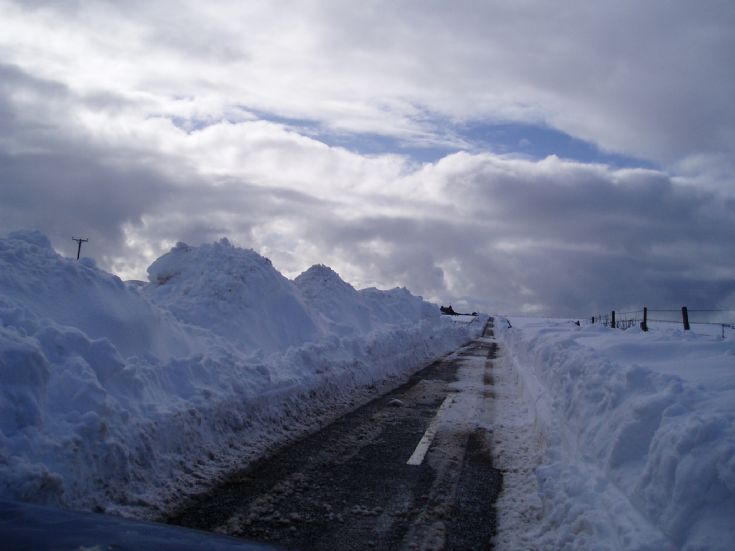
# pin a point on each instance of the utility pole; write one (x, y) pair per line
(79, 241)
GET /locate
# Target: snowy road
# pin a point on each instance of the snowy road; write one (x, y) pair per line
(352, 486)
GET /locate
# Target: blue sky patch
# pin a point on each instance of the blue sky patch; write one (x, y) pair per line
(533, 141)
(538, 142)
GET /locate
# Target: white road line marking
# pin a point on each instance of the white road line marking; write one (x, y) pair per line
(417, 457)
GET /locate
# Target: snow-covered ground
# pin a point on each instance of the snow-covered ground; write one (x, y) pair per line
(615, 439)
(127, 396)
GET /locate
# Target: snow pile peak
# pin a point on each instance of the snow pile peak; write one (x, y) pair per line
(341, 309)
(346, 311)
(234, 292)
(321, 278)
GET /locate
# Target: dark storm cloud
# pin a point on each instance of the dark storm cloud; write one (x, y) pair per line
(65, 192)
(65, 184)
(60, 184)
(134, 124)
(399, 251)
(202, 214)
(560, 238)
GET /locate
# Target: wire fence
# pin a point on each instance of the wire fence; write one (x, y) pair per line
(685, 317)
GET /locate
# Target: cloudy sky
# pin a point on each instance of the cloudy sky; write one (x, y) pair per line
(557, 158)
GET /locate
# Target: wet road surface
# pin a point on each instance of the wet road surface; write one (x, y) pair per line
(349, 486)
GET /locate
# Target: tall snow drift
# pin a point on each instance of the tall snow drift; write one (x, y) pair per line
(233, 292)
(398, 306)
(125, 397)
(345, 311)
(37, 283)
(341, 309)
(638, 433)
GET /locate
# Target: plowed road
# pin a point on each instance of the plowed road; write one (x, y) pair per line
(409, 470)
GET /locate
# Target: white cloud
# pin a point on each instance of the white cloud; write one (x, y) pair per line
(136, 124)
(653, 80)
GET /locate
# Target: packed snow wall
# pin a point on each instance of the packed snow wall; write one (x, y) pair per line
(123, 397)
(638, 432)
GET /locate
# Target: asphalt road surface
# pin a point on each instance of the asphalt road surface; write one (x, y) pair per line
(397, 473)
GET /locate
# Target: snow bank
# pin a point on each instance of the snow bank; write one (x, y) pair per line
(233, 292)
(126, 397)
(346, 311)
(398, 306)
(639, 434)
(342, 310)
(36, 284)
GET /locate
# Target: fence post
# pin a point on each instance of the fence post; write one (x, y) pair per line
(644, 323)
(612, 323)
(685, 317)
